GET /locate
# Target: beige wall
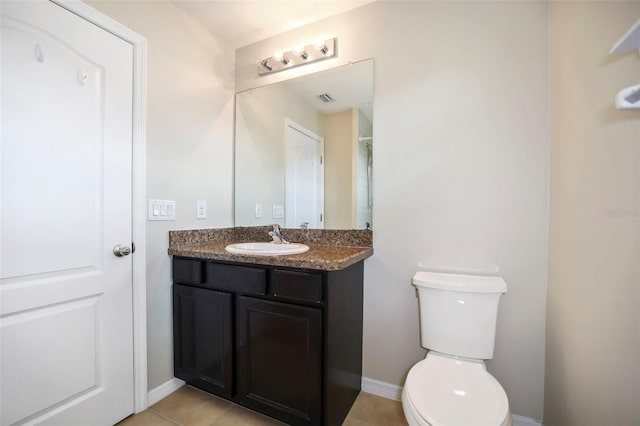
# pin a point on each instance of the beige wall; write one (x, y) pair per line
(338, 136)
(260, 149)
(593, 319)
(189, 145)
(460, 166)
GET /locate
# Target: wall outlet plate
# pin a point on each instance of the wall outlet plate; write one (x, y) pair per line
(201, 209)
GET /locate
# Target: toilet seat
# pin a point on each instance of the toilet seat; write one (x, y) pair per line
(442, 390)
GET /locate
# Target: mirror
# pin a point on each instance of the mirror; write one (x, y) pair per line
(303, 151)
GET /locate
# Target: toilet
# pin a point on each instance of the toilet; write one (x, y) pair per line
(451, 386)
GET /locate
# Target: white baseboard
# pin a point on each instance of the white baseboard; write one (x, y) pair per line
(164, 390)
(524, 421)
(389, 391)
(385, 390)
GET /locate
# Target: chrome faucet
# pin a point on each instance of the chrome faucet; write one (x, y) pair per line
(277, 236)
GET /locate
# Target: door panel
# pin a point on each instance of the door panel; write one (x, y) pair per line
(31, 350)
(202, 335)
(66, 120)
(279, 366)
(65, 299)
(304, 178)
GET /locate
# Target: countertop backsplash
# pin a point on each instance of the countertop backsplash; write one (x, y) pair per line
(322, 237)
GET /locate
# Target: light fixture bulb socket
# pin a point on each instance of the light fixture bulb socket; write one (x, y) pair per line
(266, 64)
(279, 56)
(321, 45)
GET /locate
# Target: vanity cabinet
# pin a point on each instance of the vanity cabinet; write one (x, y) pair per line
(283, 341)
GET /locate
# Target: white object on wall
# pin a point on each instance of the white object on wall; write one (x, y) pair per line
(629, 41)
(277, 211)
(201, 209)
(162, 209)
(629, 97)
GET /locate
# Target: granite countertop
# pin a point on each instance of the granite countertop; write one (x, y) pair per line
(318, 257)
(329, 250)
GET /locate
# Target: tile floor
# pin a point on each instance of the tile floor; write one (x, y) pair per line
(192, 407)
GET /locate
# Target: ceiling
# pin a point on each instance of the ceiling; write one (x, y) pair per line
(242, 22)
(350, 86)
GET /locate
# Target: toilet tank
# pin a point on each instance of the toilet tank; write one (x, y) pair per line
(458, 312)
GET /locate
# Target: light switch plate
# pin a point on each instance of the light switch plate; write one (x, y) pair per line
(277, 211)
(162, 209)
(258, 209)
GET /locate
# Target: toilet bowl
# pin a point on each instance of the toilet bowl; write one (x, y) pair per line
(451, 386)
(443, 390)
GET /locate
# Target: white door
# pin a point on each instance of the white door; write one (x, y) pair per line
(65, 299)
(304, 178)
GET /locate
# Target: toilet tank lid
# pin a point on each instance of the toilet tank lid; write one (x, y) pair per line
(460, 282)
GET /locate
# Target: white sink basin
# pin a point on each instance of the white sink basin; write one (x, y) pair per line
(266, 249)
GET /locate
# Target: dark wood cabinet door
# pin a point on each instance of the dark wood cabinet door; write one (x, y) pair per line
(279, 364)
(202, 338)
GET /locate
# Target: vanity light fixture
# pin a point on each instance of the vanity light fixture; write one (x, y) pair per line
(301, 55)
(265, 63)
(322, 47)
(279, 56)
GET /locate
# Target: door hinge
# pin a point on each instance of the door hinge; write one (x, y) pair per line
(320, 217)
(321, 160)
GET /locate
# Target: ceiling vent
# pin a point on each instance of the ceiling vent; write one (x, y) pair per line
(326, 98)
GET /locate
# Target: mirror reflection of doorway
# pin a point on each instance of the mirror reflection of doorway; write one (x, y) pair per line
(304, 178)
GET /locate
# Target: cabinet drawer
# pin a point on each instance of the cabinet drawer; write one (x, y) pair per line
(241, 279)
(297, 285)
(187, 271)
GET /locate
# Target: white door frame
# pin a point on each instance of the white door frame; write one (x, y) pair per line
(138, 219)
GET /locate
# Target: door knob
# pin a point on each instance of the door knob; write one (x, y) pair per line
(121, 250)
